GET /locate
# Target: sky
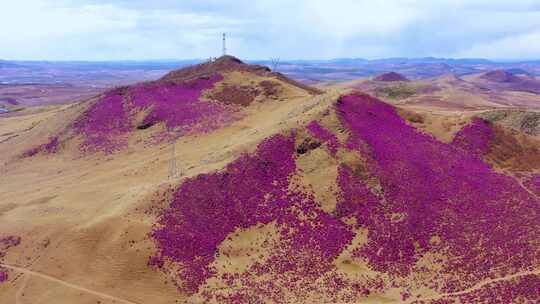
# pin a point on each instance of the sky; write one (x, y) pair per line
(263, 29)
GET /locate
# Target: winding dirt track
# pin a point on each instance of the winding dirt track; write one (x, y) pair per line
(28, 272)
(20, 292)
(520, 182)
(479, 285)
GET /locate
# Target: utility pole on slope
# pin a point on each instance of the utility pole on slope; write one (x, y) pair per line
(174, 172)
(173, 168)
(224, 44)
(274, 62)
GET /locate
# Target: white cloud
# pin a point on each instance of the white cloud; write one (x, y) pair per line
(137, 29)
(524, 46)
(32, 19)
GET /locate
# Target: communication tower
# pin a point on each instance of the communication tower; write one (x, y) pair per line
(224, 44)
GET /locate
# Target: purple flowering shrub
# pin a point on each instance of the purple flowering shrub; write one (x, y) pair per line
(3, 276)
(301, 261)
(252, 190)
(5, 244)
(475, 137)
(525, 289)
(8, 242)
(50, 147)
(356, 198)
(107, 124)
(180, 105)
(533, 184)
(324, 135)
(431, 198)
(431, 191)
(207, 208)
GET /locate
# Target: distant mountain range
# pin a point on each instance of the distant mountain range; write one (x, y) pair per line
(405, 60)
(338, 69)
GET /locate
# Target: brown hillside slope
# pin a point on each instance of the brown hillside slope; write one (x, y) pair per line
(329, 198)
(190, 101)
(84, 218)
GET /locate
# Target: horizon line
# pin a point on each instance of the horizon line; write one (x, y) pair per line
(164, 60)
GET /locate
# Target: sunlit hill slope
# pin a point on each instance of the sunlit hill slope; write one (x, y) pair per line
(228, 183)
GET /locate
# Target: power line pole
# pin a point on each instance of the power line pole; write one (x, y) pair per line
(224, 44)
(174, 173)
(275, 63)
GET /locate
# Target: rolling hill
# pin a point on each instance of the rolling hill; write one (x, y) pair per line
(228, 183)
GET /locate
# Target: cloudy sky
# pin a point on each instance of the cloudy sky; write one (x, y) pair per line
(260, 29)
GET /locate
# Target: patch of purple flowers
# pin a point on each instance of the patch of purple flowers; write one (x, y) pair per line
(5, 244)
(533, 183)
(525, 289)
(252, 190)
(180, 105)
(431, 190)
(475, 138)
(324, 135)
(8, 242)
(207, 208)
(430, 198)
(105, 125)
(3, 276)
(356, 198)
(50, 147)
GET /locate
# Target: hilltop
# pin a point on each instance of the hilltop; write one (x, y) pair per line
(506, 80)
(501, 76)
(189, 101)
(390, 76)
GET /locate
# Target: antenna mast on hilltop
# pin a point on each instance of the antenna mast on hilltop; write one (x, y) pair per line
(224, 44)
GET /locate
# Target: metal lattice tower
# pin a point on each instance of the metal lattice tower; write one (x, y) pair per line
(275, 63)
(224, 44)
(174, 172)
